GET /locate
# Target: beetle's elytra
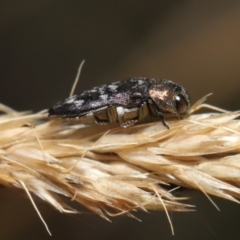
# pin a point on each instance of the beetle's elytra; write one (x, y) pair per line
(125, 102)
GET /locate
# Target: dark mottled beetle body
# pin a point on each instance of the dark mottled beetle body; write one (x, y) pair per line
(125, 102)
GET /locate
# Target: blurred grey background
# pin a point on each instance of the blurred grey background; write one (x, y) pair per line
(195, 43)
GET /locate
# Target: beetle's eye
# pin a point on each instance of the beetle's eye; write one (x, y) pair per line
(181, 104)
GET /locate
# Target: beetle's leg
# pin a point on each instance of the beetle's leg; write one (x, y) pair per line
(87, 119)
(124, 122)
(101, 117)
(121, 121)
(120, 113)
(162, 120)
(128, 123)
(101, 122)
(143, 112)
(112, 114)
(155, 112)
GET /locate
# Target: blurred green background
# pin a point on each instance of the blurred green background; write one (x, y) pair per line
(194, 43)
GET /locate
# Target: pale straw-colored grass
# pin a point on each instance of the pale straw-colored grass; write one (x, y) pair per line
(113, 171)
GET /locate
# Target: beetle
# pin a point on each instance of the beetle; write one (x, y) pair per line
(125, 102)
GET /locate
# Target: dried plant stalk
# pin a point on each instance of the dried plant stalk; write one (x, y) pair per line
(111, 170)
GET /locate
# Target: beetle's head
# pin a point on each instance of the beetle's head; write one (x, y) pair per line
(169, 97)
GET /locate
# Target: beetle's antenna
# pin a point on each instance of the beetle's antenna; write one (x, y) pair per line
(77, 78)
